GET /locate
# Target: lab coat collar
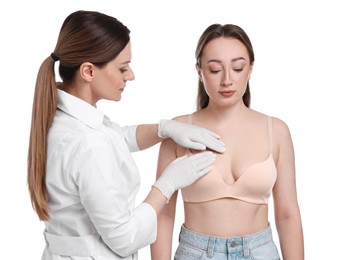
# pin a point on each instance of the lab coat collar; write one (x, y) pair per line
(80, 109)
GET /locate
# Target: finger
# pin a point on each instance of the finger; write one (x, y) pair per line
(203, 160)
(204, 171)
(202, 155)
(215, 135)
(179, 159)
(195, 145)
(212, 143)
(218, 147)
(205, 163)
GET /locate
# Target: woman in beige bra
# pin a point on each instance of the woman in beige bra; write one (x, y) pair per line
(226, 211)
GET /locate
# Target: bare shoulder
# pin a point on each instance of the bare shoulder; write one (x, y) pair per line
(181, 118)
(280, 128)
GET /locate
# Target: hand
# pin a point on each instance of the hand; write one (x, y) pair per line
(183, 171)
(190, 136)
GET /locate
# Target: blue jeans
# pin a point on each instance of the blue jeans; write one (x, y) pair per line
(258, 246)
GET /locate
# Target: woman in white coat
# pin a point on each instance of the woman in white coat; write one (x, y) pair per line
(82, 178)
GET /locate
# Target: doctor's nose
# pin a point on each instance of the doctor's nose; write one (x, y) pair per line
(129, 75)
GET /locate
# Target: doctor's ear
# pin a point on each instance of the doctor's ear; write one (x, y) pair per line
(87, 71)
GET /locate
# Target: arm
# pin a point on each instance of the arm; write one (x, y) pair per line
(146, 136)
(106, 180)
(162, 248)
(186, 135)
(287, 213)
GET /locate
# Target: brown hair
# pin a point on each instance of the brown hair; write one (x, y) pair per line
(212, 32)
(85, 36)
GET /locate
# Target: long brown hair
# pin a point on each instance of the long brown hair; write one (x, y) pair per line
(85, 36)
(212, 32)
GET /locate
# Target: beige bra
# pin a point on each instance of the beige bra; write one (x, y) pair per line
(254, 185)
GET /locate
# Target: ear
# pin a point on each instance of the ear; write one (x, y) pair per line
(87, 71)
(199, 71)
(251, 68)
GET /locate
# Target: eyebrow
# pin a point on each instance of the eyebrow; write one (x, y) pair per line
(219, 61)
(125, 62)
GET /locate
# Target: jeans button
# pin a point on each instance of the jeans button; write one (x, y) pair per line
(233, 244)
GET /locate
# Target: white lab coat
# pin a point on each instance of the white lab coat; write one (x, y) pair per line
(92, 181)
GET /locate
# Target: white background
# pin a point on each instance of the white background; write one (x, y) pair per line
(297, 77)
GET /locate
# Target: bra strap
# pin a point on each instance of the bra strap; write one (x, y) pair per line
(270, 134)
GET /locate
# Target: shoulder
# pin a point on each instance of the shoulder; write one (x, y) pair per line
(90, 145)
(282, 135)
(73, 140)
(182, 118)
(168, 145)
(280, 127)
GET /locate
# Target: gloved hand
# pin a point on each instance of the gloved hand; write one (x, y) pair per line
(190, 136)
(183, 171)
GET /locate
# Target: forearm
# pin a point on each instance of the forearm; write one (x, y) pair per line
(141, 230)
(161, 249)
(291, 238)
(135, 233)
(146, 135)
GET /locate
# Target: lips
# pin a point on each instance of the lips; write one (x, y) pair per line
(228, 93)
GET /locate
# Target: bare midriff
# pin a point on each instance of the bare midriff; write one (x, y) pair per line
(226, 217)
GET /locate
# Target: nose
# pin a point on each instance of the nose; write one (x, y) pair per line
(129, 75)
(226, 79)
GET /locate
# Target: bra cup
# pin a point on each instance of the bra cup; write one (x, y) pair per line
(254, 185)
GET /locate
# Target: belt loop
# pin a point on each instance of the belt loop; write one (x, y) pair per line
(210, 246)
(246, 251)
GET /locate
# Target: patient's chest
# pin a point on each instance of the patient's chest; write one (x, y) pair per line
(246, 171)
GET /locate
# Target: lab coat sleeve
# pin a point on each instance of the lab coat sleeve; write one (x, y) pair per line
(107, 194)
(129, 133)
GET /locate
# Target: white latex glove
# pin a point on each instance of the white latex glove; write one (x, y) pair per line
(183, 171)
(190, 136)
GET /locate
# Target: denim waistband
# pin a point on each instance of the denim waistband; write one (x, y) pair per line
(225, 245)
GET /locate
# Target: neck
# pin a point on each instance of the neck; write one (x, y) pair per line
(81, 92)
(226, 115)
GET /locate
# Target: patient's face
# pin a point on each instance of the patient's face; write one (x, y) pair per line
(225, 70)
